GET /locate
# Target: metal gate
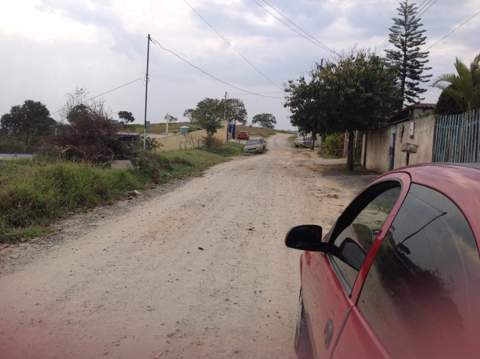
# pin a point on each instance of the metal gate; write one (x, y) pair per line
(457, 138)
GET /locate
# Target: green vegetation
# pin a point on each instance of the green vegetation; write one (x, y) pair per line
(356, 92)
(212, 108)
(35, 193)
(28, 122)
(460, 90)
(332, 146)
(407, 58)
(10, 144)
(266, 120)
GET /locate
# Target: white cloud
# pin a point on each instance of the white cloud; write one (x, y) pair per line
(25, 19)
(57, 45)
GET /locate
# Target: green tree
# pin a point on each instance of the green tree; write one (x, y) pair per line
(234, 110)
(126, 117)
(170, 118)
(266, 120)
(407, 58)
(461, 91)
(188, 113)
(209, 115)
(28, 121)
(305, 102)
(358, 92)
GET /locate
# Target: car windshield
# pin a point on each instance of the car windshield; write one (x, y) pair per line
(253, 142)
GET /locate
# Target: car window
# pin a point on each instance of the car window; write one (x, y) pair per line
(424, 283)
(355, 239)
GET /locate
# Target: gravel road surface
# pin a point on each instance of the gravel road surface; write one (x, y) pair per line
(198, 271)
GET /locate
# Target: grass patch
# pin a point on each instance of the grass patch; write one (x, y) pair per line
(35, 193)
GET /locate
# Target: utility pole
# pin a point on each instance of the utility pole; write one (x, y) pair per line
(225, 113)
(146, 96)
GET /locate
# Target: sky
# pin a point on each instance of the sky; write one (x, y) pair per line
(48, 48)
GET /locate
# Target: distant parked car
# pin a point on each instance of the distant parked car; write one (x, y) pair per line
(257, 145)
(398, 275)
(243, 135)
(301, 141)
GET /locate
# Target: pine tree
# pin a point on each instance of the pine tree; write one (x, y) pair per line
(407, 58)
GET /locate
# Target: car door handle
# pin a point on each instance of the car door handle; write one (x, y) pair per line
(328, 333)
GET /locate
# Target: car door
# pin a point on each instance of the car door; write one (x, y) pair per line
(328, 281)
(421, 297)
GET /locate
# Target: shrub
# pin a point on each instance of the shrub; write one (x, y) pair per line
(333, 145)
(9, 144)
(34, 193)
(91, 135)
(212, 142)
(151, 165)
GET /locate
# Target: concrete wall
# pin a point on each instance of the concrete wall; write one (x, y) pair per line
(193, 139)
(379, 143)
(422, 137)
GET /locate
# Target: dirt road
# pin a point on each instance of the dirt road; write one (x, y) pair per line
(200, 271)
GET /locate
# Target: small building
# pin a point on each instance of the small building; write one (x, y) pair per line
(184, 130)
(406, 139)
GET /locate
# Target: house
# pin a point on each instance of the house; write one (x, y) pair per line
(406, 139)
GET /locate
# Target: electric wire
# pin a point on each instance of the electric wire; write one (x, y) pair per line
(425, 9)
(107, 91)
(454, 29)
(208, 74)
(301, 29)
(229, 43)
(423, 5)
(309, 38)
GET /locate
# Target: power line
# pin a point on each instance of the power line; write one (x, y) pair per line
(228, 42)
(115, 88)
(454, 29)
(301, 29)
(107, 92)
(426, 8)
(206, 73)
(301, 33)
(423, 5)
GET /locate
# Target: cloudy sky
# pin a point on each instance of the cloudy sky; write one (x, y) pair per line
(50, 47)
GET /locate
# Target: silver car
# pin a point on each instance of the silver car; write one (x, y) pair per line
(256, 145)
(302, 141)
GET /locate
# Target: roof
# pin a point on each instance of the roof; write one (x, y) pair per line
(459, 182)
(404, 114)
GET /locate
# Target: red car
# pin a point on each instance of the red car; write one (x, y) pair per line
(243, 135)
(398, 276)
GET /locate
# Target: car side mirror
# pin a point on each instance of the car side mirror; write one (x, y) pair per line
(307, 237)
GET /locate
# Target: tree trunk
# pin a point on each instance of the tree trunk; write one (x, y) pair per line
(350, 151)
(313, 140)
(365, 149)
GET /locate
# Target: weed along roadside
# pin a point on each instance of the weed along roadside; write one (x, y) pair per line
(35, 193)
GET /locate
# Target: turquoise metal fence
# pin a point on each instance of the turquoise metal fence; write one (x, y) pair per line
(457, 138)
